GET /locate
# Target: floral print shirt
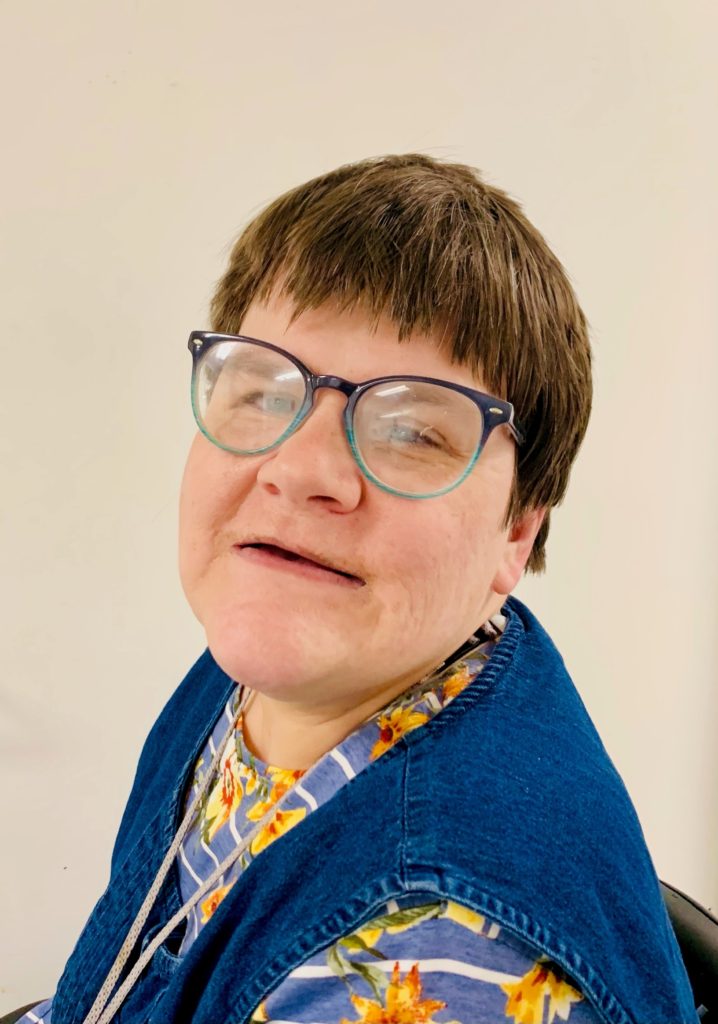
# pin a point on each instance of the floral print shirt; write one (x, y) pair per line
(416, 962)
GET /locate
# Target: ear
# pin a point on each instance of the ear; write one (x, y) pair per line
(517, 548)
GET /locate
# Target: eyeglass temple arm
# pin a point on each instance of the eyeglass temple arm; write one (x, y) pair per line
(505, 410)
(516, 430)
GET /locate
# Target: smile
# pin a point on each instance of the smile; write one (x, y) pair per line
(272, 556)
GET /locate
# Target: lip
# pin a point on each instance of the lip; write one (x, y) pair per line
(304, 561)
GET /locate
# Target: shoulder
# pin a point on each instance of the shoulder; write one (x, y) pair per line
(519, 732)
(172, 746)
(514, 808)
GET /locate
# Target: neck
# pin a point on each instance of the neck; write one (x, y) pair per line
(290, 736)
(295, 736)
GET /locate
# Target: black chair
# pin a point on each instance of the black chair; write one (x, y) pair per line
(697, 933)
(14, 1015)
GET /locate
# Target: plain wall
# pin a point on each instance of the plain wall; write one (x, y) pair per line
(138, 139)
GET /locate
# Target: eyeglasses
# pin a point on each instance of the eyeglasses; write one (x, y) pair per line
(416, 437)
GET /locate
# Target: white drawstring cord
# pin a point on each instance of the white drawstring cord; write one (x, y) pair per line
(95, 1014)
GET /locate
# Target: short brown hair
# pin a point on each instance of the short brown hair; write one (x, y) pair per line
(433, 247)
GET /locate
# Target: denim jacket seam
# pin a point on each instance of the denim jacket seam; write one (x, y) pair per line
(500, 662)
(360, 909)
(536, 934)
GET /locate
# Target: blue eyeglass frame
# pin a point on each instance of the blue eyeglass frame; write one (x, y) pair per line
(495, 411)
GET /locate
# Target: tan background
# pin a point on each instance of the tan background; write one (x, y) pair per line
(138, 138)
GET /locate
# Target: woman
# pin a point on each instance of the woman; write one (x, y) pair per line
(377, 795)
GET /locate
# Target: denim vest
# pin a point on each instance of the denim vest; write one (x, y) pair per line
(544, 840)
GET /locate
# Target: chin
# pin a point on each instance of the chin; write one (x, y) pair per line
(273, 654)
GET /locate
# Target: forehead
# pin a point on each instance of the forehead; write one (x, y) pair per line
(352, 344)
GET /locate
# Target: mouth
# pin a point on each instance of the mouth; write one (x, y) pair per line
(274, 555)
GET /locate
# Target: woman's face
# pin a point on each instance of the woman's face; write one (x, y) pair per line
(432, 570)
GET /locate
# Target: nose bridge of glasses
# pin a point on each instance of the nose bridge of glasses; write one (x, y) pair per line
(328, 380)
(333, 383)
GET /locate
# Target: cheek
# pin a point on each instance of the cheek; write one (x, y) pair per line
(204, 502)
(215, 485)
(189, 529)
(450, 563)
(431, 561)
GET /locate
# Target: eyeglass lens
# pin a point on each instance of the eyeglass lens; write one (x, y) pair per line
(412, 436)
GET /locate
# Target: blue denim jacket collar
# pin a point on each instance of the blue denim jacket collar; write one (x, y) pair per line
(544, 840)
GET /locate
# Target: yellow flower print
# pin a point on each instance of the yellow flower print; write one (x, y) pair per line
(225, 797)
(395, 922)
(248, 775)
(402, 1003)
(369, 936)
(210, 903)
(392, 727)
(465, 917)
(282, 780)
(561, 996)
(456, 682)
(260, 1015)
(526, 996)
(277, 825)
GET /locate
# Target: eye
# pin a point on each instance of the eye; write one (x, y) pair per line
(415, 437)
(274, 403)
(404, 432)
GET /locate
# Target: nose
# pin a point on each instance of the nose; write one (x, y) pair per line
(315, 464)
